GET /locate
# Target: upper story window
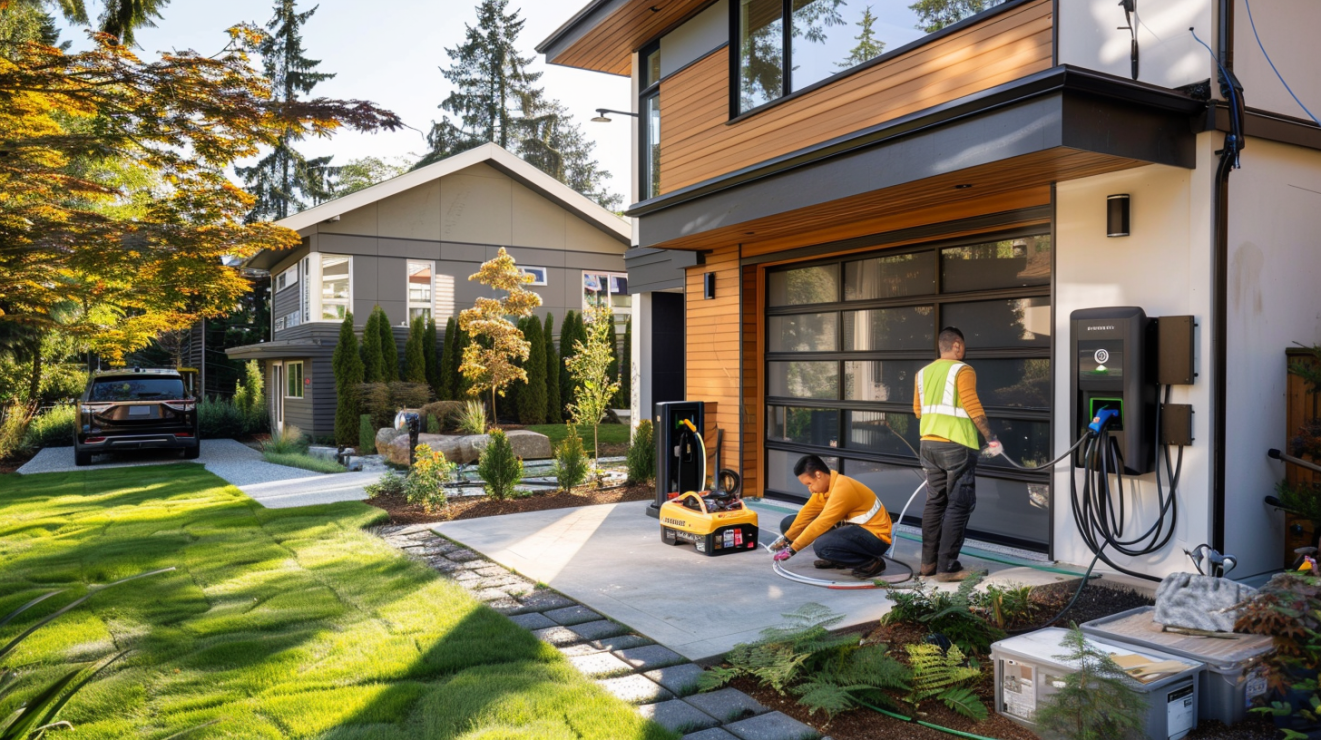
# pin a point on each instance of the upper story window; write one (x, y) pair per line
(336, 286)
(539, 276)
(287, 278)
(649, 121)
(419, 290)
(612, 286)
(787, 45)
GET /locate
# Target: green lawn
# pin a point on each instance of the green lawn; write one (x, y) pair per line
(304, 461)
(287, 623)
(610, 433)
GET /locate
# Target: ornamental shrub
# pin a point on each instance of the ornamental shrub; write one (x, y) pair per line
(431, 360)
(52, 429)
(389, 348)
(389, 484)
(447, 413)
(568, 335)
(218, 418)
(13, 430)
(532, 394)
(348, 368)
(499, 467)
(426, 480)
(371, 348)
(570, 467)
(473, 418)
(445, 390)
(554, 408)
(642, 454)
(415, 357)
(366, 435)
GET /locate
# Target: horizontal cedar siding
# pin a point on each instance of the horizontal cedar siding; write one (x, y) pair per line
(712, 340)
(698, 143)
(609, 46)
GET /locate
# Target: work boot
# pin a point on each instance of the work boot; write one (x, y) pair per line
(927, 570)
(822, 564)
(955, 575)
(870, 570)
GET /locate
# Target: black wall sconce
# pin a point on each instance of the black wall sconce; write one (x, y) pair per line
(709, 285)
(1116, 215)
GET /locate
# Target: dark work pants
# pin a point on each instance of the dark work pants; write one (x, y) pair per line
(951, 472)
(849, 545)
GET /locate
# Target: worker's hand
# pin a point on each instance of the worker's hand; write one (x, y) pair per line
(994, 448)
(784, 554)
(780, 543)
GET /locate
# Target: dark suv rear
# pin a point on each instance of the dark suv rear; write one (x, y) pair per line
(136, 409)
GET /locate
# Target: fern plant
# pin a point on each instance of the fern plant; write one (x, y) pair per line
(861, 672)
(950, 613)
(946, 676)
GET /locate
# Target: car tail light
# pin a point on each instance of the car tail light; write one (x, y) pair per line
(180, 405)
(96, 408)
(93, 440)
(183, 434)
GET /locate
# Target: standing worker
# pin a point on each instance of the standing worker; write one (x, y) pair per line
(951, 415)
(845, 522)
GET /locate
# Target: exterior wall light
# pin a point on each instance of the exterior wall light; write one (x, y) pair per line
(1116, 215)
(709, 286)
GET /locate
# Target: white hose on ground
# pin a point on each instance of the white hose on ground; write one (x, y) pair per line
(895, 522)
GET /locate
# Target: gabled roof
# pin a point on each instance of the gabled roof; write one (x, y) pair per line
(490, 154)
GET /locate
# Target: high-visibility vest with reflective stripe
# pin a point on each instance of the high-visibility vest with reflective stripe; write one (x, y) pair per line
(942, 413)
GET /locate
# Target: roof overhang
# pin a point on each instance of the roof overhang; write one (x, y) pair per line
(281, 349)
(1058, 124)
(603, 35)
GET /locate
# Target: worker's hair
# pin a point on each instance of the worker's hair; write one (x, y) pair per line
(811, 465)
(948, 336)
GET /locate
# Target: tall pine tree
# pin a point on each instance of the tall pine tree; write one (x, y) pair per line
(389, 348)
(415, 357)
(532, 396)
(371, 348)
(348, 374)
(285, 181)
(568, 335)
(496, 100)
(447, 390)
(432, 360)
(554, 408)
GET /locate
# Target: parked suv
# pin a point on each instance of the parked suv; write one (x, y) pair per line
(136, 409)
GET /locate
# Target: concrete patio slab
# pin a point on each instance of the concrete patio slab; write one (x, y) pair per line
(727, 705)
(599, 665)
(715, 733)
(611, 559)
(649, 657)
(680, 679)
(773, 726)
(678, 716)
(636, 689)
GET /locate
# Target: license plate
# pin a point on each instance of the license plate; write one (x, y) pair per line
(139, 411)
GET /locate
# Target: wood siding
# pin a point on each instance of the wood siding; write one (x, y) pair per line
(698, 142)
(712, 342)
(609, 47)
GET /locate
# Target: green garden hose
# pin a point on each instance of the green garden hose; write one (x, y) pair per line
(896, 715)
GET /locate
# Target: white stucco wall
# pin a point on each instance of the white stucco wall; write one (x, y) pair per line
(1164, 268)
(1274, 265)
(1288, 30)
(1089, 37)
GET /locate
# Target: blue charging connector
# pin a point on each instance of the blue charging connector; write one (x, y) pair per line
(1103, 417)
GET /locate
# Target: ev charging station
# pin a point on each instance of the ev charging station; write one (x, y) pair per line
(680, 452)
(1112, 372)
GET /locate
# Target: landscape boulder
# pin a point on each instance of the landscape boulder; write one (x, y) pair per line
(463, 449)
(384, 436)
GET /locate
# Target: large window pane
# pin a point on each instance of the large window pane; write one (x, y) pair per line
(1009, 263)
(1026, 442)
(803, 425)
(893, 485)
(335, 287)
(761, 52)
(807, 332)
(1010, 508)
(887, 432)
(805, 285)
(889, 329)
(830, 36)
(1018, 322)
(803, 379)
(1013, 383)
(880, 380)
(894, 276)
(419, 282)
(780, 473)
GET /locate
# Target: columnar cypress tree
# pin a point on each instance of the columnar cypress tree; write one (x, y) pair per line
(415, 358)
(461, 341)
(554, 408)
(567, 337)
(389, 348)
(532, 401)
(285, 181)
(612, 371)
(447, 391)
(347, 365)
(626, 367)
(371, 348)
(429, 349)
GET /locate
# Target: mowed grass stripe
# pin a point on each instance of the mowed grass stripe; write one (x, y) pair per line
(282, 623)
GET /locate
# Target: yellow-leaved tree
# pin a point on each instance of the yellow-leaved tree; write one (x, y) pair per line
(590, 368)
(490, 359)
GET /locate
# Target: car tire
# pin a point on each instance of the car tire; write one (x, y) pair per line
(82, 457)
(191, 453)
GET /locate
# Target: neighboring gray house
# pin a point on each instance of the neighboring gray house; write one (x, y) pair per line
(409, 245)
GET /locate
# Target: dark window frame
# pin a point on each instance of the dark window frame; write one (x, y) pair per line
(648, 90)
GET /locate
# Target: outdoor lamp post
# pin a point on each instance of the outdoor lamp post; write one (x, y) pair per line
(410, 421)
(601, 116)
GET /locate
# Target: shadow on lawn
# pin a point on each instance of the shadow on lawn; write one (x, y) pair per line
(289, 622)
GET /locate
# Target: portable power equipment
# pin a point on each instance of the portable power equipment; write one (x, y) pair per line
(717, 521)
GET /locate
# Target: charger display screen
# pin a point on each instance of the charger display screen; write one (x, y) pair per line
(1100, 359)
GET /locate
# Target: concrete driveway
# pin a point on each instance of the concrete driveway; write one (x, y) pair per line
(274, 486)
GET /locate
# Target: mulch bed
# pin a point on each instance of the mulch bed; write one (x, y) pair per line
(402, 512)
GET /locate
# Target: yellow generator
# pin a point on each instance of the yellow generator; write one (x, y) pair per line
(716, 521)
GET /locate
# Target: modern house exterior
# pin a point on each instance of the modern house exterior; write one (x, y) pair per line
(816, 204)
(408, 245)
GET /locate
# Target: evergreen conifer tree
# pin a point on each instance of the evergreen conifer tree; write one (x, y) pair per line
(532, 400)
(371, 348)
(347, 365)
(430, 349)
(612, 370)
(461, 341)
(415, 358)
(446, 391)
(284, 181)
(554, 408)
(868, 46)
(567, 337)
(626, 367)
(389, 348)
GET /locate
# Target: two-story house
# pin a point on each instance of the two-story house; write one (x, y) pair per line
(823, 184)
(408, 245)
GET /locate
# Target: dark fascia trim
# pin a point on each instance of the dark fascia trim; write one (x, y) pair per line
(931, 231)
(1064, 78)
(622, 239)
(1263, 124)
(953, 28)
(575, 27)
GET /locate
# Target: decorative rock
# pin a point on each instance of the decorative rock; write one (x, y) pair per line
(598, 665)
(325, 453)
(489, 594)
(531, 621)
(541, 601)
(636, 689)
(492, 570)
(571, 615)
(773, 726)
(715, 733)
(396, 450)
(676, 716)
(599, 629)
(680, 679)
(506, 582)
(649, 657)
(557, 636)
(465, 556)
(383, 439)
(528, 444)
(727, 705)
(506, 606)
(464, 576)
(620, 642)
(445, 565)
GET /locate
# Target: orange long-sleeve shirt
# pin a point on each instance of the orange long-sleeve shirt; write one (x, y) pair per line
(966, 382)
(846, 499)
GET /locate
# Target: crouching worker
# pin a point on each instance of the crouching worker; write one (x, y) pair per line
(843, 521)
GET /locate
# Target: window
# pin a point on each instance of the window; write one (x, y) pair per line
(846, 337)
(287, 278)
(597, 286)
(305, 292)
(279, 324)
(650, 122)
(293, 319)
(293, 374)
(137, 389)
(539, 275)
(336, 287)
(419, 290)
(821, 39)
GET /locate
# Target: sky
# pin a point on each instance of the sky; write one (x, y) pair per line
(389, 52)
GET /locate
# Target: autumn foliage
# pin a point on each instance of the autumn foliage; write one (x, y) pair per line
(490, 362)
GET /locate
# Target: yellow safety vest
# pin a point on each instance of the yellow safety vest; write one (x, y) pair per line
(943, 414)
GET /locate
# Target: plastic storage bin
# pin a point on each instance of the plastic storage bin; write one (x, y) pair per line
(1234, 674)
(1026, 670)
